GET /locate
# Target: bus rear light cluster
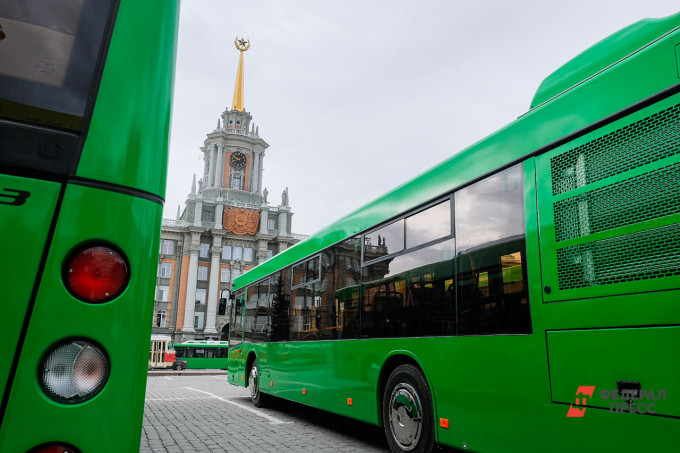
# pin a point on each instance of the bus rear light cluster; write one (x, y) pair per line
(73, 372)
(96, 273)
(53, 448)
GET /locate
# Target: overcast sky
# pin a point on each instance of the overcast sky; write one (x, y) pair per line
(356, 97)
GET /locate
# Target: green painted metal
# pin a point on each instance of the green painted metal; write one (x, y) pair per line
(513, 392)
(126, 146)
(19, 221)
(138, 102)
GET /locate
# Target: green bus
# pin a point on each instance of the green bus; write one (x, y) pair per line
(85, 105)
(203, 354)
(523, 295)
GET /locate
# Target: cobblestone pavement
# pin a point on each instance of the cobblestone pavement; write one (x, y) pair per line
(203, 413)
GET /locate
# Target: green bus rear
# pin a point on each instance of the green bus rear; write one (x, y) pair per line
(85, 104)
(520, 296)
(203, 354)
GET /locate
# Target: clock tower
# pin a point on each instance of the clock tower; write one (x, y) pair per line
(227, 227)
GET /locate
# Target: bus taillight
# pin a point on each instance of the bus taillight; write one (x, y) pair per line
(74, 371)
(53, 448)
(96, 274)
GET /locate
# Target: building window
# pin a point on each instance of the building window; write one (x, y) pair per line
(225, 274)
(203, 273)
(248, 254)
(208, 215)
(160, 318)
(205, 250)
(271, 224)
(166, 270)
(270, 253)
(235, 274)
(238, 253)
(237, 181)
(167, 247)
(226, 252)
(198, 320)
(200, 295)
(163, 293)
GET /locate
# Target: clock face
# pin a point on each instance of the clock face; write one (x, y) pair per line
(238, 159)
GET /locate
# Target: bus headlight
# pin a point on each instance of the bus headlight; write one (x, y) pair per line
(73, 372)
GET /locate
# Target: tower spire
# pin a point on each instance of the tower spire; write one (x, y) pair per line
(242, 45)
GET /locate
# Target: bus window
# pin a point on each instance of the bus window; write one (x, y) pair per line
(280, 307)
(492, 295)
(236, 324)
(410, 295)
(384, 241)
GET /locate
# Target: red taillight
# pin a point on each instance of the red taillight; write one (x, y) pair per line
(96, 274)
(53, 449)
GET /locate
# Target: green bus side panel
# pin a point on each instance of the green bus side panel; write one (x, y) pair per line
(26, 208)
(122, 327)
(130, 127)
(609, 208)
(205, 363)
(602, 357)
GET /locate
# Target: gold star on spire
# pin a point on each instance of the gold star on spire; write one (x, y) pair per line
(242, 45)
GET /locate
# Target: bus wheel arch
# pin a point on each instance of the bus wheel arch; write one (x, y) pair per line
(407, 406)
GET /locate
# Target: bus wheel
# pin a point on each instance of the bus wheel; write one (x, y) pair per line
(407, 411)
(258, 399)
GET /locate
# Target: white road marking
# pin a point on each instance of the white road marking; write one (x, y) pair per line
(177, 399)
(272, 420)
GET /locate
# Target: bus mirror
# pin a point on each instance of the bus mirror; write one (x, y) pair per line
(222, 309)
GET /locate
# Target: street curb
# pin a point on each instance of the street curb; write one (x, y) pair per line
(200, 372)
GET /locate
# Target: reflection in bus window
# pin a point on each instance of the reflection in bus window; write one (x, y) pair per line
(428, 225)
(343, 286)
(280, 308)
(384, 241)
(236, 325)
(410, 295)
(492, 293)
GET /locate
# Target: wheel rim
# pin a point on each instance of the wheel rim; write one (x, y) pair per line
(252, 382)
(405, 416)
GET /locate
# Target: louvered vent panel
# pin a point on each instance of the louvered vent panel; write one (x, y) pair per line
(638, 144)
(622, 222)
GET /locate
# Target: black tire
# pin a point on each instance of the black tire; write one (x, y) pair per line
(407, 411)
(256, 396)
(179, 367)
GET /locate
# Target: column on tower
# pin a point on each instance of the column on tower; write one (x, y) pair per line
(220, 165)
(190, 301)
(198, 210)
(212, 168)
(283, 221)
(264, 217)
(256, 172)
(219, 213)
(260, 158)
(214, 285)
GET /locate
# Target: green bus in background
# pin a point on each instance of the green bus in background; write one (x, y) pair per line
(85, 105)
(203, 354)
(523, 295)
